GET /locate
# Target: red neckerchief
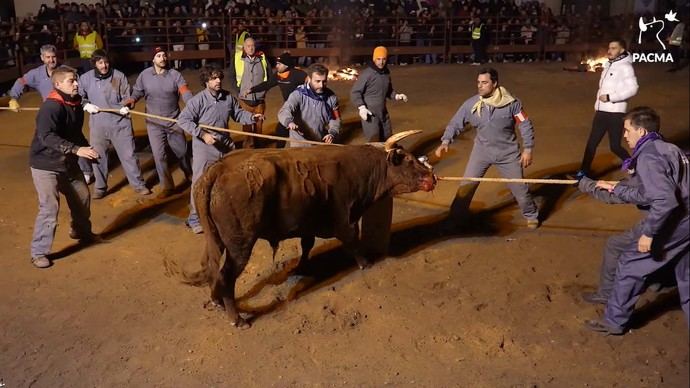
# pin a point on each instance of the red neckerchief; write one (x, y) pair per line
(54, 95)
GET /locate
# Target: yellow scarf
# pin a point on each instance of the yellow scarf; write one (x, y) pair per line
(500, 98)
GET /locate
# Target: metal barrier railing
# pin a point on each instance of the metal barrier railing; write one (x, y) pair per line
(408, 39)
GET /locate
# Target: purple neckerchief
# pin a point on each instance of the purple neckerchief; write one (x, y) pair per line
(629, 163)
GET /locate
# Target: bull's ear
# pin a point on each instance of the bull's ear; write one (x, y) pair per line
(395, 156)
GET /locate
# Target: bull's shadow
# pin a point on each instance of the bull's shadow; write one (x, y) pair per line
(330, 263)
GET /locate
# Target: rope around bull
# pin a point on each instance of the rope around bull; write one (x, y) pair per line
(280, 138)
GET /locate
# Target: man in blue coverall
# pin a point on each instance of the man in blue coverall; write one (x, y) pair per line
(660, 184)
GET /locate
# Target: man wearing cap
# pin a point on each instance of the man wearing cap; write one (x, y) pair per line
(369, 95)
(105, 87)
(214, 107)
(311, 111)
(288, 78)
(249, 68)
(162, 89)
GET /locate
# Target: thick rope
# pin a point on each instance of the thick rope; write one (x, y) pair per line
(219, 129)
(509, 180)
(279, 138)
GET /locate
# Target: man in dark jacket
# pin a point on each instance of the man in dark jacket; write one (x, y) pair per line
(369, 95)
(288, 78)
(660, 184)
(56, 146)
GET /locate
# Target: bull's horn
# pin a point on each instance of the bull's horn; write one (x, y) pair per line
(390, 143)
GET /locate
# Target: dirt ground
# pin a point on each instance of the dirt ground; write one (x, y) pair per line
(495, 307)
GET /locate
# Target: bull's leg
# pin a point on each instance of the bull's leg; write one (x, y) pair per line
(350, 238)
(224, 286)
(307, 243)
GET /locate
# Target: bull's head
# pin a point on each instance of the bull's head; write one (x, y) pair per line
(405, 172)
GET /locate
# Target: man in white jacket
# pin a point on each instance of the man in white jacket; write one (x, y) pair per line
(617, 84)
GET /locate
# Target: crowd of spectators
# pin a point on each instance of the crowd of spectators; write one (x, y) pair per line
(133, 25)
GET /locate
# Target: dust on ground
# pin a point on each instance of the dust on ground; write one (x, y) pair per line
(495, 307)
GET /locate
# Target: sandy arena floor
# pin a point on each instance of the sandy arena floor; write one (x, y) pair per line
(497, 307)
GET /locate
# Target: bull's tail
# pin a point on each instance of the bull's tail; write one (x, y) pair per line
(213, 251)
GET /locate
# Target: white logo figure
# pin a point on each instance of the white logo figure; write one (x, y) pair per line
(670, 16)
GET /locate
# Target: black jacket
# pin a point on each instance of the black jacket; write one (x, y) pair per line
(58, 133)
(287, 82)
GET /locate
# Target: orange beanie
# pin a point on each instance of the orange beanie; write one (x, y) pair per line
(380, 52)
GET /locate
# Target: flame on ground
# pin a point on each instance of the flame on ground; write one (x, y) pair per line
(594, 64)
(346, 74)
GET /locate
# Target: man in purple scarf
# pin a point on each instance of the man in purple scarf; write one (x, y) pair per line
(660, 187)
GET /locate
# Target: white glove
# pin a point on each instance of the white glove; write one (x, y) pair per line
(91, 108)
(124, 111)
(364, 113)
(400, 96)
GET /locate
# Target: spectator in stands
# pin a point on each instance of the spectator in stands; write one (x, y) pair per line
(480, 40)
(86, 41)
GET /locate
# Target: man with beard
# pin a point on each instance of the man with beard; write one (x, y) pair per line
(214, 107)
(311, 111)
(162, 89)
(616, 85)
(288, 78)
(37, 78)
(105, 87)
(369, 95)
(494, 112)
(56, 145)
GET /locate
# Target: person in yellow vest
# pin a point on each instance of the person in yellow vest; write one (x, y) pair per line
(248, 69)
(479, 41)
(86, 40)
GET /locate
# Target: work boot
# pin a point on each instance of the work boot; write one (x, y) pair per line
(40, 261)
(594, 298)
(603, 327)
(532, 224)
(143, 190)
(196, 228)
(98, 194)
(85, 238)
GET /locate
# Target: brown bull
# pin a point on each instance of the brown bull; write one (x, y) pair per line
(297, 192)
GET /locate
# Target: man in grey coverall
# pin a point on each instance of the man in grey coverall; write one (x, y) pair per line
(369, 95)
(661, 184)
(212, 106)
(494, 112)
(311, 112)
(162, 88)
(105, 87)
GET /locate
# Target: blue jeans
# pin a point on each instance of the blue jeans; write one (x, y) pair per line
(49, 185)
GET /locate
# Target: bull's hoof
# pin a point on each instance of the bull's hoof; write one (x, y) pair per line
(241, 324)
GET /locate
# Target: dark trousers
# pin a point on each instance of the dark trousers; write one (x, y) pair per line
(479, 49)
(282, 132)
(604, 122)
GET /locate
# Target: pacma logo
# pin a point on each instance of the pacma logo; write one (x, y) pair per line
(648, 26)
